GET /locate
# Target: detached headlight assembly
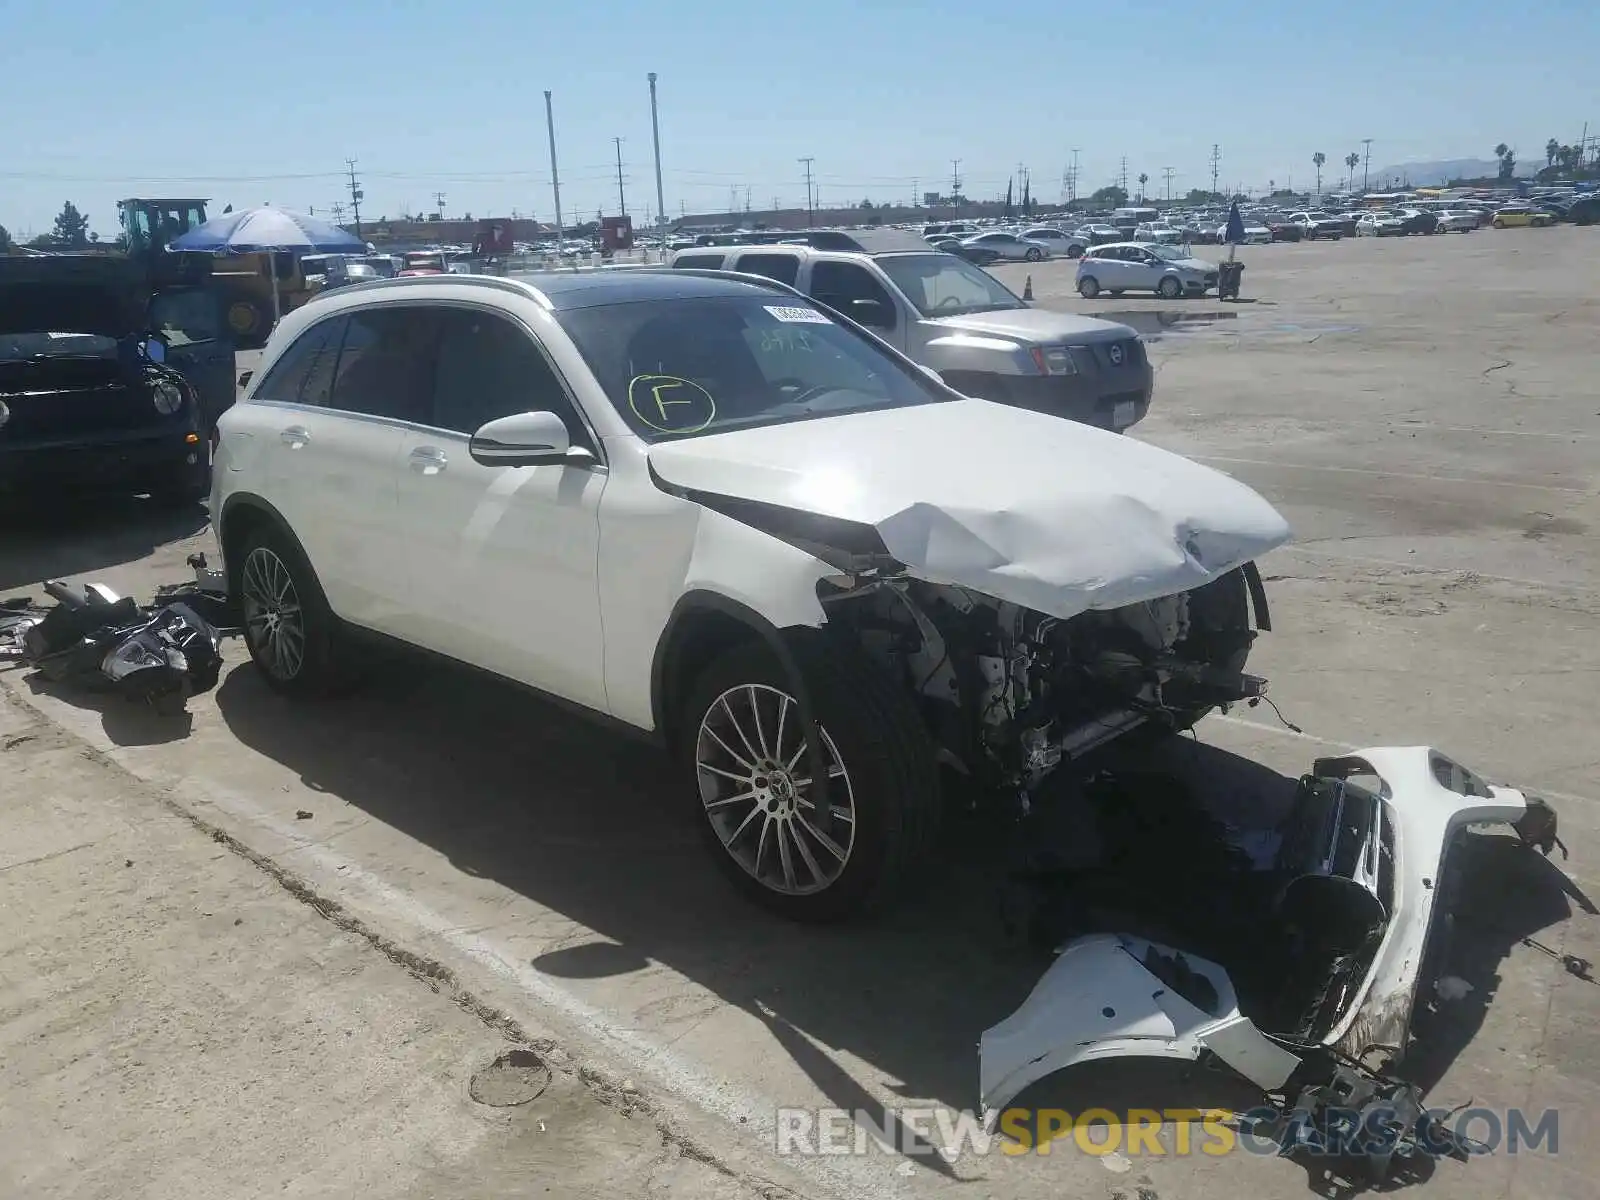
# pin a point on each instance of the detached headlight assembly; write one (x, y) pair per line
(167, 397)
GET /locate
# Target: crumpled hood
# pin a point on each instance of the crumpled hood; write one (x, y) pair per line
(1036, 325)
(1195, 264)
(1047, 513)
(71, 293)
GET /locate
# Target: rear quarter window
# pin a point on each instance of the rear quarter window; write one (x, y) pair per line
(304, 373)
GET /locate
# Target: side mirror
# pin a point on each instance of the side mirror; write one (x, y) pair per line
(526, 439)
(872, 313)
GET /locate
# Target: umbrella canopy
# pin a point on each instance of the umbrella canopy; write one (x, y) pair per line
(1234, 234)
(261, 229)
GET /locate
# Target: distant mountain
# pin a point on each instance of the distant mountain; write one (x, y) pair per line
(1431, 174)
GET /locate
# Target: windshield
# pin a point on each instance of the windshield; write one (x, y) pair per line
(19, 347)
(707, 365)
(942, 285)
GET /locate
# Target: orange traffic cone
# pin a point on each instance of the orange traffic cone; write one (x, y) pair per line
(1027, 288)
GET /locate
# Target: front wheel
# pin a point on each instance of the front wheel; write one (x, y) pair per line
(1498, 224)
(752, 786)
(1169, 288)
(1034, 254)
(1074, 251)
(1088, 287)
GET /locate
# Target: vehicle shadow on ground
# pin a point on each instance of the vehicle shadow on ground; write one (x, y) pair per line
(126, 722)
(588, 824)
(61, 539)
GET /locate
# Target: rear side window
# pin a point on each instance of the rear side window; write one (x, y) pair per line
(386, 364)
(785, 268)
(304, 374)
(703, 262)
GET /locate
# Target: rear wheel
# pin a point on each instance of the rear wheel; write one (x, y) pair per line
(1088, 287)
(1034, 254)
(1074, 251)
(290, 631)
(1169, 288)
(750, 780)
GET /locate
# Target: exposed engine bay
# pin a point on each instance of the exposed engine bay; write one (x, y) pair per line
(1009, 693)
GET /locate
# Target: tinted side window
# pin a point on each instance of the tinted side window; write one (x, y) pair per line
(386, 364)
(785, 268)
(703, 262)
(304, 375)
(490, 368)
(836, 284)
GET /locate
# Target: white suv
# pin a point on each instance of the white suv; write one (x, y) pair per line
(699, 506)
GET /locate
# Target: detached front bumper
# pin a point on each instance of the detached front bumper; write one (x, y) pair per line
(1382, 857)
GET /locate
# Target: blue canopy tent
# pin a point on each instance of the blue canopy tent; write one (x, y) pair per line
(268, 230)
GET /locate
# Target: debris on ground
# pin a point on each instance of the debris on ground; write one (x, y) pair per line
(161, 654)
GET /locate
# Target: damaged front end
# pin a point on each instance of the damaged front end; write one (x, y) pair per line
(1010, 693)
(1353, 928)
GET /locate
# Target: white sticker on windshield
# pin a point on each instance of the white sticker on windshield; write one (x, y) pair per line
(796, 315)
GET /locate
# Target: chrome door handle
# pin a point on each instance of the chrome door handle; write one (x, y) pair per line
(428, 460)
(295, 436)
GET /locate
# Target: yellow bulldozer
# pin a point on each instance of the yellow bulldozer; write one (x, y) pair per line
(243, 282)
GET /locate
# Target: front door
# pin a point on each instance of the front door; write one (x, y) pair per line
(502, 560)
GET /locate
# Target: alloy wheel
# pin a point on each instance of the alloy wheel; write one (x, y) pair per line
(756, 789)
(273, 616)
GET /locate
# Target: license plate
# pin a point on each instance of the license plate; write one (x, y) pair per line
(1122, 414)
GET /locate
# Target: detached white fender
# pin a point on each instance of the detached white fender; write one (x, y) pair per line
(1099, 999)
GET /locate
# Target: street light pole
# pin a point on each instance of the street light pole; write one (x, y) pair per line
(655, 132)
(555, 178)
(1367, 165)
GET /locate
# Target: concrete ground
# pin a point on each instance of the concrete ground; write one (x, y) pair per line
(475, 871)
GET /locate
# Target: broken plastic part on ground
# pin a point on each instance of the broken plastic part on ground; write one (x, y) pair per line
(161, 654)
(1327, 948)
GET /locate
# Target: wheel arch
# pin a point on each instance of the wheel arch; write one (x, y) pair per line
(242, 513)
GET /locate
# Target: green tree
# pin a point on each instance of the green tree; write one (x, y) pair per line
(1143, 179)
(1201, 196)
(1317, 160)
(1551, 149)
(5, 240)
(1115, 196)
(1350, 160)
(71, 230)
(1508, 162)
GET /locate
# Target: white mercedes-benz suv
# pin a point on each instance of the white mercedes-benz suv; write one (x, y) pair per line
(701, 506)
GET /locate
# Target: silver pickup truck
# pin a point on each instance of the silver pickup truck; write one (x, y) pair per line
(956, 318)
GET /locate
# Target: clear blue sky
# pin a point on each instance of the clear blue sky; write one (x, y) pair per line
(251, 103)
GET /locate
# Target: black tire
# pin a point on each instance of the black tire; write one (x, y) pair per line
(1088, 287)
(890, 773)
(248, 322)
(1074, 250)
(1034, 254)
(1171, 292)
(321, 669)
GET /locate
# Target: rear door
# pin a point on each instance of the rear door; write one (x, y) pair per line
(339, 400)
(851, 289)
(785, 268)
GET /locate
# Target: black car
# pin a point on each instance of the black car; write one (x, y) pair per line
(1418, 220)
(104, 387)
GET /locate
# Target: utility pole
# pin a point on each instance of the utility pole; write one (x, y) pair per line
(438, 200)
(955, 178)
(555, 177)
(747, 199)
(1074, 185)
(1124, 181)
(338, 213)
(356, 195)
(1366, 166)
(1216, 157)
(914, 194)
(655, 133)
(811, 208)
(1167, 173)
(622, 201)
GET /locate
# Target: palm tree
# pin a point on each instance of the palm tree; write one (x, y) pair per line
(1317, 160)
(1551, 149)
(1351, 160)
(1143, 179)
